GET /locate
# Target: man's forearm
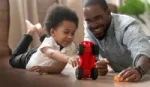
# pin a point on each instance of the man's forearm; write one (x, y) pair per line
(144, 62)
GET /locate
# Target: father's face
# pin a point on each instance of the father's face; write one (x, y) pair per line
(97, 20)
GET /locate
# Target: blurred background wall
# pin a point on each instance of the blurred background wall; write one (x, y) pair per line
(34, 11)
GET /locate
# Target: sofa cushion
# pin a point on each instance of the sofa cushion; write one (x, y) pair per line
(4, 28)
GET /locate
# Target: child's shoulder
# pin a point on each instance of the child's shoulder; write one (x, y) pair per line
(48, 41)
(72, 46)
(71, 49)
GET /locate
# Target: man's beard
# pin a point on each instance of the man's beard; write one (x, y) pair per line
(105, 32)
(106, 27)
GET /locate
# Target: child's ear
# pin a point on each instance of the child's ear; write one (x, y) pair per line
(52, 32)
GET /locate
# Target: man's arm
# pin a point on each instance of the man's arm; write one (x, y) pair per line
(137, 43)
(144, 63)
(100, 64)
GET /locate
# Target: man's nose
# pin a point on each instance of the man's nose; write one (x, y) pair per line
(93, 25)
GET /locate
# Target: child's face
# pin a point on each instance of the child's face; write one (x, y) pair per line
(64, 33)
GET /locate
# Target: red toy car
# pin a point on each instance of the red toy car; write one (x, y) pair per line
(87, 52)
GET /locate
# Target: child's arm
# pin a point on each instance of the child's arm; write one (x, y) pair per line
(57, 55)
(56, 69)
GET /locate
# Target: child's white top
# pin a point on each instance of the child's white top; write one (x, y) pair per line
(40, 59)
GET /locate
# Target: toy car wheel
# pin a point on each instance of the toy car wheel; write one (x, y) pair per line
(95, 50)
(79, 73)
(94, 73)
(80, 49)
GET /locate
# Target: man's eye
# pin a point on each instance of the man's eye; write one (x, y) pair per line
(87, 20)
(98, 18)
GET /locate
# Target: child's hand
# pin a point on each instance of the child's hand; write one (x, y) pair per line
(38, 69)
(73, 61)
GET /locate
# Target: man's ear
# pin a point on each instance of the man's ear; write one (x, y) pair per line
(108, 12)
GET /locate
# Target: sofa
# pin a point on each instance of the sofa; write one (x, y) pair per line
(4, 28)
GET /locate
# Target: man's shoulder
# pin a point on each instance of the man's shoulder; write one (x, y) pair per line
(122, 16)
(122, 21)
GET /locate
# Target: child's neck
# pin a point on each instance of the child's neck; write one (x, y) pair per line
(61, 47)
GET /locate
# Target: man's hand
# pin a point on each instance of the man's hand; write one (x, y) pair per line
(38, 69)
(129, 75)
(102, 67)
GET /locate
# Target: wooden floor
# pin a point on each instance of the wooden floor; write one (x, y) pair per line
(10, 77)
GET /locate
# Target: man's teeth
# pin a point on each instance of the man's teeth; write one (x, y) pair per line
(96, 30)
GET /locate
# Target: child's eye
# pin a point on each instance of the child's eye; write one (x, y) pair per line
(66, 32)
(73, 34)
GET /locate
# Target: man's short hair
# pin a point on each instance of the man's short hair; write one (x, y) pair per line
(101, 3)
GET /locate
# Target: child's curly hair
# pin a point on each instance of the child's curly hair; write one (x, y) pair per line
(57, 15)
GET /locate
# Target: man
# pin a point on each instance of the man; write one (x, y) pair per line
(120, 40)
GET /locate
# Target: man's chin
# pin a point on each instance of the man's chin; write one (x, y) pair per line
(100, 37)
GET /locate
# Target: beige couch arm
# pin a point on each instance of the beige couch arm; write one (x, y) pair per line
(4, 28)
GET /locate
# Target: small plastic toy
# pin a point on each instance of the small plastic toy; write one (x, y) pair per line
(87, 52)
(117, 78)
